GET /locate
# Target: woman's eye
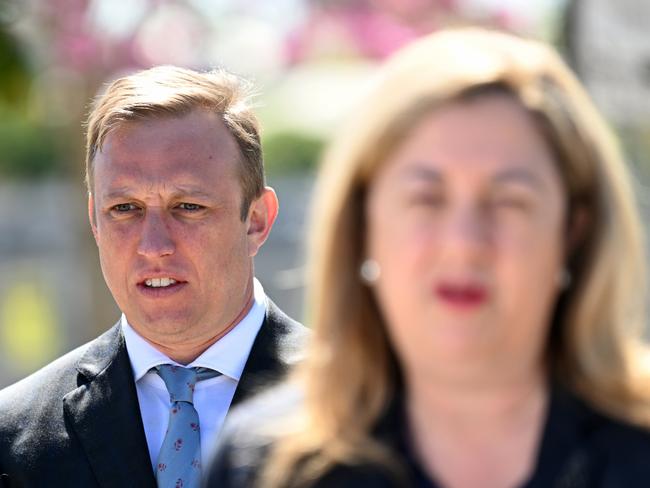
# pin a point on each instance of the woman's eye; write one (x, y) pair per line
(427, 200)
(191, 207)
(511, 203)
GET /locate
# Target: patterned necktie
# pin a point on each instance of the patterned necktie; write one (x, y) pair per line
(179, 461)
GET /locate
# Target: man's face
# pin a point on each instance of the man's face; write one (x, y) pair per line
(165, 213)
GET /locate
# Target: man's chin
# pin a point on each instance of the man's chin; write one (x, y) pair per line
(163, 327)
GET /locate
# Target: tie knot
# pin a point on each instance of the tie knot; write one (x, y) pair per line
(180, 382)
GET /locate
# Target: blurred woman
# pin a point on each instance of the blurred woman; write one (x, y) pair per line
(478, 289)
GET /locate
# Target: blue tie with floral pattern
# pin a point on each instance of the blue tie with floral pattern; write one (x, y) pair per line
(179, 461)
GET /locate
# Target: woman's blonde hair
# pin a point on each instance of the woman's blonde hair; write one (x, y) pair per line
(595, 343)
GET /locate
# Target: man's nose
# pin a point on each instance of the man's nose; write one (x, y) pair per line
(155, 237)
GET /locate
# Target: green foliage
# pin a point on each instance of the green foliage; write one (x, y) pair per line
(287, 152)
(27, 151)
(14, 72)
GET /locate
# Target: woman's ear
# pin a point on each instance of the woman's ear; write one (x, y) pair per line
(577, 228)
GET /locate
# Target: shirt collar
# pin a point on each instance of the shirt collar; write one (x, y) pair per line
(228, 355)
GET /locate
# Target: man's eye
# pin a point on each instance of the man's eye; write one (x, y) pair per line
(191, 207)
(123, 207)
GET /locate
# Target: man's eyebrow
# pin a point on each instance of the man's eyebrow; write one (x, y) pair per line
(117, 193)
(176, 192)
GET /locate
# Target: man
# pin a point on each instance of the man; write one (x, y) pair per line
(178, 208)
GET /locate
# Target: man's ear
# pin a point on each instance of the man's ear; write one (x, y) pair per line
(92, 218)
(261, 216)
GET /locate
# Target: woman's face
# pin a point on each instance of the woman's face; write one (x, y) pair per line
(467, 222)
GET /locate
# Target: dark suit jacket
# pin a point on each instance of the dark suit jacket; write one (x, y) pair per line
(77, 423)
(580, 448)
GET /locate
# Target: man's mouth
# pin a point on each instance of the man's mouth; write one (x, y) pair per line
(159, 282)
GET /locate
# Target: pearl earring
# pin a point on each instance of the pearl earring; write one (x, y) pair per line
(369, 271)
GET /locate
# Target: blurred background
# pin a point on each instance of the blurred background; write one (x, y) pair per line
(310, 59)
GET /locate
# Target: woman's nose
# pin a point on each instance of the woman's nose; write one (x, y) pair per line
(467, 231)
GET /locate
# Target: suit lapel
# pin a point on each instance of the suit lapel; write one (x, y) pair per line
(105, 415)
(278, 346)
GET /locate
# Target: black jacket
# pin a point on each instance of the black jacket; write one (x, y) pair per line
(580, 448)
(77, 423)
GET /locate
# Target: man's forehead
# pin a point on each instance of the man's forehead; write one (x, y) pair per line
(178, 140)
(192, 152)
(193, 121)
(187, 175)
(181, 173)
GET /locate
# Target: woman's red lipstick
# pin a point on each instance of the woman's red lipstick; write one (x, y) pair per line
(462, 296)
